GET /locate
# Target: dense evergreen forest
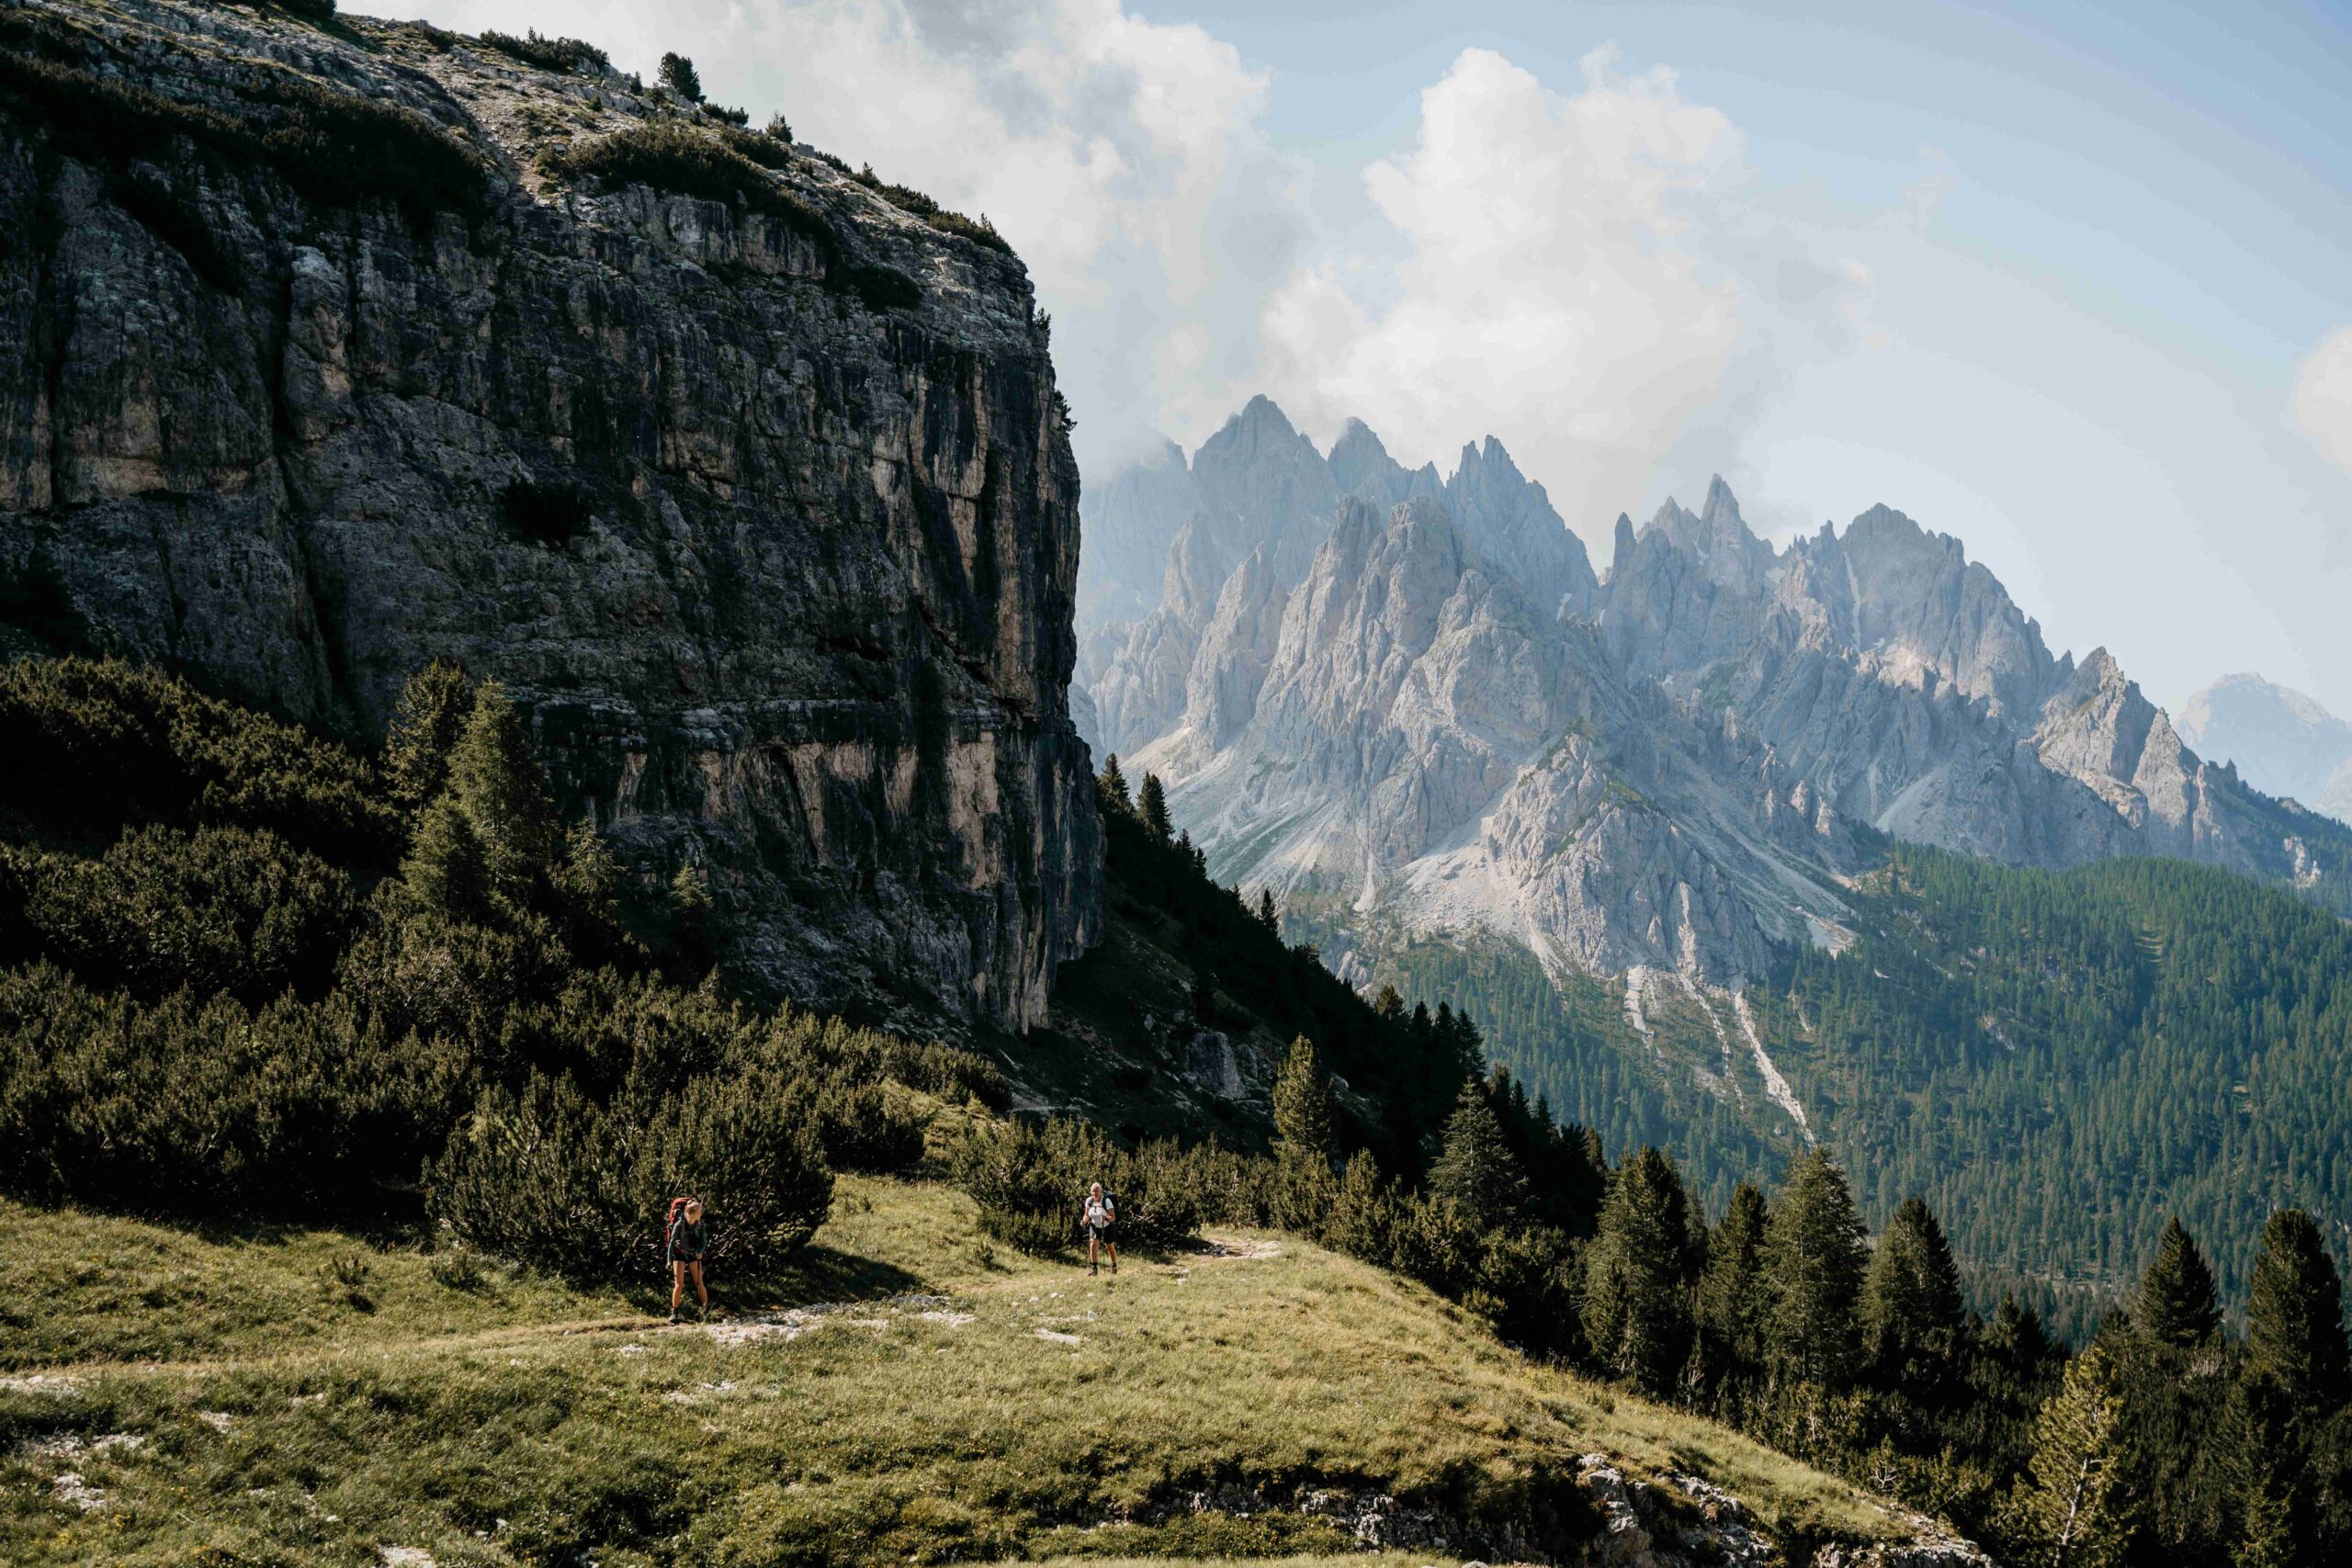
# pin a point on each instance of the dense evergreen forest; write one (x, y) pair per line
(2057, 1061)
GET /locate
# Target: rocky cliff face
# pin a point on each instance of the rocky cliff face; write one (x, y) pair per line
(759, 499)
(1429, 745)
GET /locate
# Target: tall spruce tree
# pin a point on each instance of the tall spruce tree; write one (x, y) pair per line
(2177, 1307)
(1304, 1186)
(1267, 916)
(1152, 805)
(1814, 1249)
(1730, 1297)
(1477, 1169)
(1302, 1107)
(2075, 1512)
(1636, 1287)
(1911, 1307)
(498, 784)
(1113, 785)
(2295, 1314)
(433, 707)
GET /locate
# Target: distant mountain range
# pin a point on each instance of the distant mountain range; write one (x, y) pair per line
(2281, 740)
(1364, 683)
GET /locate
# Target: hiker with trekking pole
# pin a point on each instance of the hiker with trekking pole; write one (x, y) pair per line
(683, 1252)
(1099, 1213)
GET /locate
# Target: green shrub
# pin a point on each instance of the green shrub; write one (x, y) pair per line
(316, 11)
(1030, 1180)
(221, 909)
(566, 54)
(551, 1178)
(204, 1106)
(979, 231)
(738, 118)
(119, 743)
(862, 1127)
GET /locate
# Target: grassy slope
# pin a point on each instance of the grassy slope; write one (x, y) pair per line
(282, 1421)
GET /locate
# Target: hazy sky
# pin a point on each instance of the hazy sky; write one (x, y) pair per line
(2072, 283)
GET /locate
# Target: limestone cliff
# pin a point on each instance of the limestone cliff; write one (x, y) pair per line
(327, 352)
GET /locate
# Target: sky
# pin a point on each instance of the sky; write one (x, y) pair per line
(2072, 283)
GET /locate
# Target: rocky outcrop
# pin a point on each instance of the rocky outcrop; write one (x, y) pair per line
(1901, 681)
(762, 506)
(1511, 520)
(1429, 744)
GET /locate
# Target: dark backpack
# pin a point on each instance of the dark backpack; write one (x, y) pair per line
(677, 1207)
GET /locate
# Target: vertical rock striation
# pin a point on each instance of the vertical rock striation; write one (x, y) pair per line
(760, 499)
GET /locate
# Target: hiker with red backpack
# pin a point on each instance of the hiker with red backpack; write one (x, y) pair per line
(684, 1251)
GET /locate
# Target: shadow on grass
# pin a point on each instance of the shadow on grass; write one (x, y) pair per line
(814, 1274)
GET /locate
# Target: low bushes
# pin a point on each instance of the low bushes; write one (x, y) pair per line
(221, 909)
(207, 1107)
(566, 54)
(116, 743)
(419, 966)
(551, 1177)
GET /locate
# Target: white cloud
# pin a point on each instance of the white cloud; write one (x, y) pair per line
(2322, 404)
(1583, 276)
(1119, 155)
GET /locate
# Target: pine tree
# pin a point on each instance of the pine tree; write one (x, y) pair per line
(1266, 915)
(1304, 1195)
(1477, 1170)
(442, 871)
(1390, 1004)
(1302, 1107)
(1636, 1294)
(1460, 1039)
(1730, 1301)
(677, 73)
(1814, 1254)
(1113, 785)
(1911, 1301)
(425, 725)
(2075, 1510)
(1363, 1222)
(2295, 1313)
(2014, 1337)
(1153, 805)
(2177, 1307)
(498, 784)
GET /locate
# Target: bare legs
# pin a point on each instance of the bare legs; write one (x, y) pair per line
(679, 1268)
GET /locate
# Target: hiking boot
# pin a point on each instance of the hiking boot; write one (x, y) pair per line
(674, 1315)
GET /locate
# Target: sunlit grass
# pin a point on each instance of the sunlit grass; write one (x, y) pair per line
(1018, 1407)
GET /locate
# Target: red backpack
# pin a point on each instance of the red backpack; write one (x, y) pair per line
(677, 1207)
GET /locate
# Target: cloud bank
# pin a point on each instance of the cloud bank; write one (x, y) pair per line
(2322, 404)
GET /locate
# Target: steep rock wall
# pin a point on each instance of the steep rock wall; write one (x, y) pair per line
(798, 603)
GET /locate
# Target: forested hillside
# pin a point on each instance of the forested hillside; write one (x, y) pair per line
(2058, 1061)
